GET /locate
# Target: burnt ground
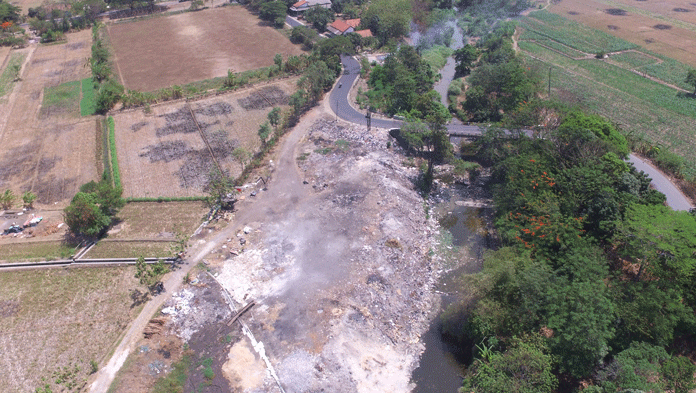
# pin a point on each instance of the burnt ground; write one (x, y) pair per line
(341, 268)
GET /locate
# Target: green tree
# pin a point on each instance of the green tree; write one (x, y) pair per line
(28, 198)
(84, 217)
(316, 79)
(388, 19)
(91, 210)
(264, 132)
(274, 117)
(149, 274)
(679, 374)
(274, 12)
(220, 186)
(7, 199)
(465, 58)
(278, 61)
(319, 17)
(637, 367)
(241, 155)
(691, 79)
(525, 367)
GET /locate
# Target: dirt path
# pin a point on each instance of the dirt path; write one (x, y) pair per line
(285, 188)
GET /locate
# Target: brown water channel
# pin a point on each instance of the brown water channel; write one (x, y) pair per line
(442, 364)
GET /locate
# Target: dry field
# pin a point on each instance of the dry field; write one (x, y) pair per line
(48, 151)
(162, 154)
(174, 50)
(149, 229)
(667, 28)
(57, 318)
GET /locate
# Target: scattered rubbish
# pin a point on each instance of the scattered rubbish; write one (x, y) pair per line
(242, 241)
(194, 281)
(144, 349)
(253, 193)
(247, 230)
(157, 367)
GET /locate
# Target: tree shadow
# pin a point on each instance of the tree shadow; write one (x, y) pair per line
(683, 94)
(138, 298)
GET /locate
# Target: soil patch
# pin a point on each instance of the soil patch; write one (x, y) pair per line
(179, 49)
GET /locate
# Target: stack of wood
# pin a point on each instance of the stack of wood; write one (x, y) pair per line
(154, 327)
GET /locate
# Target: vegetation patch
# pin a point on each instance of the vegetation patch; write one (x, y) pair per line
(35, 251)
(11, 72)
(88, 104)
(61, 99)
(573, 34)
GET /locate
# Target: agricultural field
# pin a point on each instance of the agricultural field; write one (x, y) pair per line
(45, 146)
(171, 151)
(666, 28)
(634, 87)
(149, 229)
(174, 50)
(56, 320)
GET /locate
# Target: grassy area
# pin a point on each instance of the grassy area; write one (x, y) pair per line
(176, 379)
(9, 74)
(153, 219)
(573, 34)
(34, 251)
(55, 321)
(634, 59)
(63, 98)
(88, 104)
(131, 250)
(115, 173)
(437, 56)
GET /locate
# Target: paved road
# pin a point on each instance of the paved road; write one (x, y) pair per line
(341, 106)
(292, 22)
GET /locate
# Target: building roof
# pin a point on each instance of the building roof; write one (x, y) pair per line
(354, 23)
(300, 3)
(340, 25)
(365, 33)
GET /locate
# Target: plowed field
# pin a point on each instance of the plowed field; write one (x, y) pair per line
(179, 49)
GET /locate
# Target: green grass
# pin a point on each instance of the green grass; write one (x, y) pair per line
(573, 34)
(639, 105)
(112, 151)
(548, 42)
(88, 104)
(63, 98)
(8, 75)
(437, 56)
(634, 60)
(34, 251)
(127, 249)
(176, 379)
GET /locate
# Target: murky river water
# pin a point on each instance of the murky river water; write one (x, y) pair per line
(442, 364)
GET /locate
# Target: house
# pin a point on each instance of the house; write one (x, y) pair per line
(343, 27)
(304, 5)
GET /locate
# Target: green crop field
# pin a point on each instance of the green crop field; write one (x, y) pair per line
(640, 105)
(573, 34)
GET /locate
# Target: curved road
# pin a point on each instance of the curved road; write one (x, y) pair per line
(341, 106)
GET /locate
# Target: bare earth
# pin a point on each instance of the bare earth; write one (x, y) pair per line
(49, 153)
(179, 49)
(667, 28)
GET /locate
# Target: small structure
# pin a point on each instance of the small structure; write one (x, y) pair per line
(343, 27)
(364, 33)
(304, 5)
